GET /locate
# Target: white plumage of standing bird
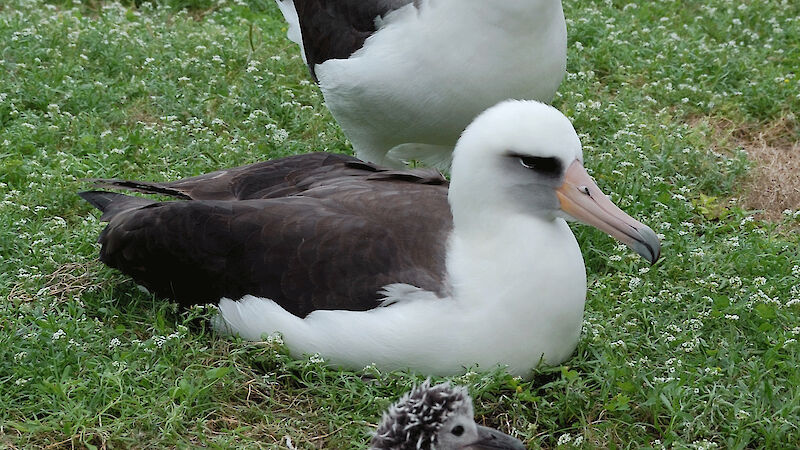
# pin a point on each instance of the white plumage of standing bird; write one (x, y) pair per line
(439, 417)
(362, 264)
(404, 77)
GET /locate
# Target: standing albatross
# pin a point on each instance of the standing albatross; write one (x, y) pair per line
(368, 265)
(404, 77)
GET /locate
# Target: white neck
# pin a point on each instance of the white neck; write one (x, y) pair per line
(519, 263)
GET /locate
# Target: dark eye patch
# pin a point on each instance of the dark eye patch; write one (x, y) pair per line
(544, 165)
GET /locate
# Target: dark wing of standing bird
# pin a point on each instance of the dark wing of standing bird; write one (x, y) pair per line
(335, 29)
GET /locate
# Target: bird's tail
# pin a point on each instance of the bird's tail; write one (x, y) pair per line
(111, 203)
(139, 186)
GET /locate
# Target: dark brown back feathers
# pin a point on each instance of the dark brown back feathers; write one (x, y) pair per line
(316, 231)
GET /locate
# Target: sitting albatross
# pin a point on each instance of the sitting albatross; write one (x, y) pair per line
(407, 76)
(439, 417)
(363, 265)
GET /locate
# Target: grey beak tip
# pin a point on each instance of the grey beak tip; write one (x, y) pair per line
(649, 246)
(490, 438)
(656, 255)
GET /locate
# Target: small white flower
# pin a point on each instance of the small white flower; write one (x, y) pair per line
(280, 135)
(698, 253)
(114, 343)
(275, 339)
(58, 334)
(619, 343)
(159, 340)
(564, 439)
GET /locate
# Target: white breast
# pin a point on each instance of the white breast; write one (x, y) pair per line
(517, 301)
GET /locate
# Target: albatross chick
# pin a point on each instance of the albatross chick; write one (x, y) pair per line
(437, 417)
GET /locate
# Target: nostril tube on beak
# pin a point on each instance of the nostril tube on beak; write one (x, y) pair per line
(600, 212)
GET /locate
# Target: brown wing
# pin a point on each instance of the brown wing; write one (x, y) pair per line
(257, 180)
(274, 178)
(333, 247)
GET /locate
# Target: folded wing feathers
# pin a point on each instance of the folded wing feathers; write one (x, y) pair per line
(332, 208)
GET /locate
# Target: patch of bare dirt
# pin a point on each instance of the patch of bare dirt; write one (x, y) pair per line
(67, 281)
(140, 112)
(774, 151)
(775, 183)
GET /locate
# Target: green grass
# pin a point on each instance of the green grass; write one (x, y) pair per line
(699, 351)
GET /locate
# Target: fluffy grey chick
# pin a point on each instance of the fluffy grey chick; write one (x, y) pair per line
(437, 417)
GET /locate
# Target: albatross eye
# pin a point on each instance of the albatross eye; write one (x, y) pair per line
(457, 430)
(548, 166)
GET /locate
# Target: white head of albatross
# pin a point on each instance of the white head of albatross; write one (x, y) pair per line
(363, 265)
(437, 417)
(404, 77)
